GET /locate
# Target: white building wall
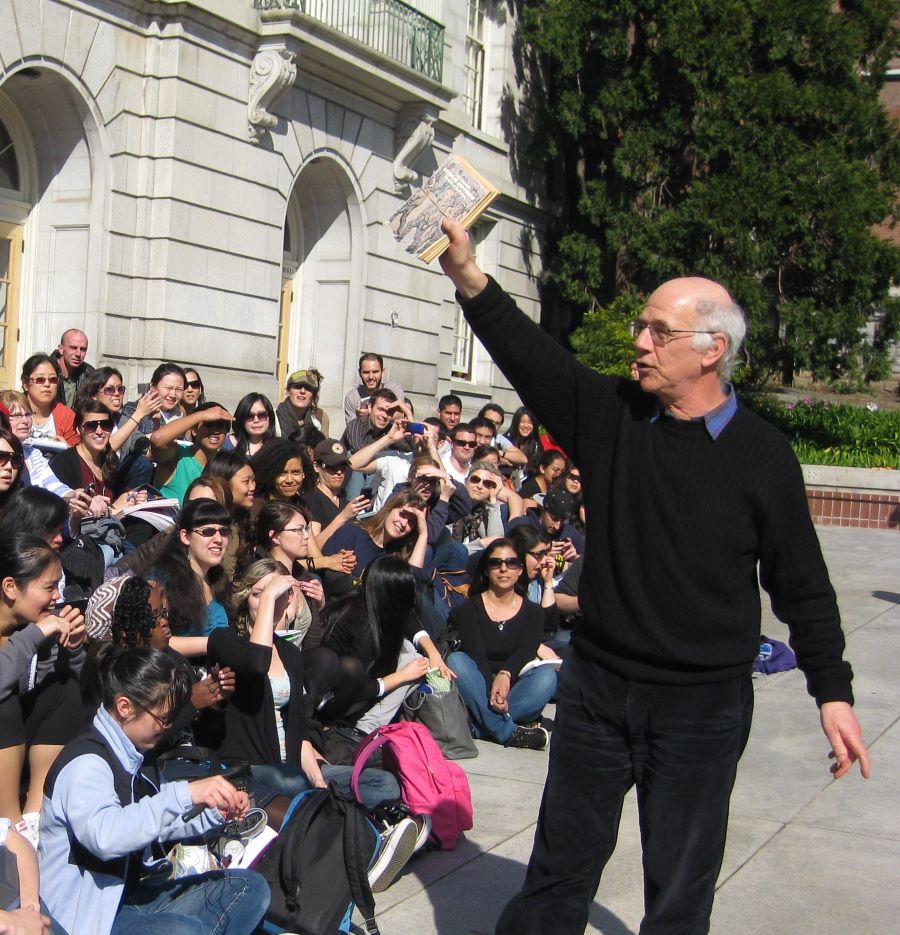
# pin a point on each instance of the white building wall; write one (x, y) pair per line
(189, 264)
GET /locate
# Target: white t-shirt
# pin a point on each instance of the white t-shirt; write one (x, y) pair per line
(390, 469)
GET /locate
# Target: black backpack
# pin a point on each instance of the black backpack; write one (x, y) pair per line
(317, 867)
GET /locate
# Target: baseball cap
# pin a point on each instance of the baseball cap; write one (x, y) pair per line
(559, 503)
(307, 377)
(331, 452)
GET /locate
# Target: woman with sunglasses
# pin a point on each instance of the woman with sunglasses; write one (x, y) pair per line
(12, 464)
(500, 631)
(105, 386)
(38, 715)
(36, 470)
(100, 819)
(253, 426)
(52, 421)
(484, 522)
(328, 506)
(188, 564)
(193, 393)
(92, 464)
(300, 405)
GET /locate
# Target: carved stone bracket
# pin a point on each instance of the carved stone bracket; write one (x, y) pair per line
(415, 134)
(273, 71)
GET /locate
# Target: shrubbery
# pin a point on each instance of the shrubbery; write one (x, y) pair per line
(837, 434)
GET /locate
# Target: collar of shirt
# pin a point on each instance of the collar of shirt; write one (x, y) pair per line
(716, 419)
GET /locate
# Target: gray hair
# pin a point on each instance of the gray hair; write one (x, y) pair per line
(488, 466)
(726, 318)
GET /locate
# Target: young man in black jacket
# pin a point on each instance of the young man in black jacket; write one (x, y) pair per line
(686, 493)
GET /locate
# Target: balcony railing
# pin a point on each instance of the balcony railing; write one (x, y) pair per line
(391, 27)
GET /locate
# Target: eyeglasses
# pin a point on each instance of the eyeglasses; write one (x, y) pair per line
(113, 390)
(661, 334)
(258, 417)
(539, 555)
(574, 477)
(511, 563)
(21, 415)
(161, 614)
(193, 384)
(301, 386)
(334, 468)
(209, 531)
(50, 381)
(164, 722)
(465, 444)
(300, 530)
(484, 482)
(13, 458)
(105, 425)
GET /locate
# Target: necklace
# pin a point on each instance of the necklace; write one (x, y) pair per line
(495, 609)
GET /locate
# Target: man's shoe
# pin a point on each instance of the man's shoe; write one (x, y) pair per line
(397, 845)
(529, 738)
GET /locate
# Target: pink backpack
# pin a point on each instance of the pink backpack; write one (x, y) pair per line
(429, 783)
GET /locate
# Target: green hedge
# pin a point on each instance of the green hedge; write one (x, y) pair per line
(838, 434)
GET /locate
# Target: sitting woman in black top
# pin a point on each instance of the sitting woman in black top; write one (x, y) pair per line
(268, 721)
(500, 632)
(379, 625)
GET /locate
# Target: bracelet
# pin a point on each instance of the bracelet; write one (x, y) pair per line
(506, 673)
(135, 421)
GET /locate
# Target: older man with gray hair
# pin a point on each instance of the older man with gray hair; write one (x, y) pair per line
(688, 496)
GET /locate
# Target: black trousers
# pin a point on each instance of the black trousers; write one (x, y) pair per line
(680, 745)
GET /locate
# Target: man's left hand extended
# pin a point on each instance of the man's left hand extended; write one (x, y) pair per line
(845, 736)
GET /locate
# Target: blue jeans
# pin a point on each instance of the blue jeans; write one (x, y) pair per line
(375, 785)
(527, 698)
(223, 902)
(680, 745)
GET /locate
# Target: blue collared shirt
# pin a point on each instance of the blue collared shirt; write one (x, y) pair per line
(716, 419)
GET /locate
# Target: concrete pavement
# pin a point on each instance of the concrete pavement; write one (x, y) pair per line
(805, 855)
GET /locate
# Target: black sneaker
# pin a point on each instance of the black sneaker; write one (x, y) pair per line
(247, 827)
(529, 738)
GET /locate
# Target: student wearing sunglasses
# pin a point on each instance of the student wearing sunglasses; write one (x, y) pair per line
(52, 420)
(300, 407)
(500, 631)
(12, 461)
(177, 465)
(92, 464)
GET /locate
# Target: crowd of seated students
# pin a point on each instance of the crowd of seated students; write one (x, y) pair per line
(289, 588)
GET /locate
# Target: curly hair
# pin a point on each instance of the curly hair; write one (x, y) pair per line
(132, 619)
(270, 461)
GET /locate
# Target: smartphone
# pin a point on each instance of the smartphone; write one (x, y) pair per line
(79, 603)
(366, 492)
(418, 428)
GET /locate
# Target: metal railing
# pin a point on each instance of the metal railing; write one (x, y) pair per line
(391, 27)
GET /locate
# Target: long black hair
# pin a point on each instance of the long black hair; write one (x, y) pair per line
(385, 606)
(171, 566)
(94, 382)
(33, 510)
(242, 413)
(34, 362)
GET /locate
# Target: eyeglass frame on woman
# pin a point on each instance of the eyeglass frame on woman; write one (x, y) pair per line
(13, 458)
(42, 380)
(114, 390)
(513, 564)
(487, 482)
(207, 532)
(193, 384)
(157, 615)
(21, 415)
(164, 723)
(661, 334)
(91, 425)
(299, 530)
(257, 416)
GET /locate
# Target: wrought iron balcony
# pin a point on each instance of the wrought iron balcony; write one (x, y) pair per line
(391, 27)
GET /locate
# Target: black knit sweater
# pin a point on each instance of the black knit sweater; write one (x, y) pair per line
(677, 522)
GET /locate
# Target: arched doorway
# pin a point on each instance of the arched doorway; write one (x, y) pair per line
(322, 282)
(52, 186)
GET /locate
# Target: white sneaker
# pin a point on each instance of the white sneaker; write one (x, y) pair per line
(30, 827)
(397, 845)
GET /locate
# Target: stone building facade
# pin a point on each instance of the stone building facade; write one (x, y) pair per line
(205, 181)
